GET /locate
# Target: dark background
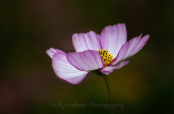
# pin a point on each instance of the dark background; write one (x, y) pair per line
(29, 27)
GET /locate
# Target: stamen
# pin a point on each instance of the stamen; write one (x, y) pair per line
(106, 56)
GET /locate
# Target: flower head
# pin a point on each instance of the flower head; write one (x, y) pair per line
(105, 52)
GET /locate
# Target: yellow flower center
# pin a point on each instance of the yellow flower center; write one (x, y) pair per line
(106, 56)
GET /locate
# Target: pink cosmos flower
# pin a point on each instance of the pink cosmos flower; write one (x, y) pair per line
(105, 53)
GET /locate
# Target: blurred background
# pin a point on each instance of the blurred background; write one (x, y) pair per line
(28, 84)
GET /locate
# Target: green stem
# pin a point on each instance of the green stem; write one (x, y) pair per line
(109, 94)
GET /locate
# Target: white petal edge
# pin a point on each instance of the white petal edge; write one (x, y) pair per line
(53, 51)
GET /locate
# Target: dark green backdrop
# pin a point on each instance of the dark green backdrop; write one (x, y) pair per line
(28, 84)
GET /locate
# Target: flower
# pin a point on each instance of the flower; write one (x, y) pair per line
(105, 53)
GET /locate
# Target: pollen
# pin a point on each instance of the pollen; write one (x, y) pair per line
(106, 56)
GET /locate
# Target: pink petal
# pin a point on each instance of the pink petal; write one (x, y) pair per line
(107, 70)
(140, 45)
(120, 65)
(121, 53)
(86, 60)
(113, 37)
(82, 41)
(64, 70)
(53, 51)
(132, 44)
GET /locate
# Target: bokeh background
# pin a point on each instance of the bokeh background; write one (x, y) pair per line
(29, 27)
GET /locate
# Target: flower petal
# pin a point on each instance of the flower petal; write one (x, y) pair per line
(53, 51)
(121, 53)
(140, 45)
(82, 41)
(120, 65)
(64, 70)
(113, 37)
(132, 44)
(107, 70)
(86, 60)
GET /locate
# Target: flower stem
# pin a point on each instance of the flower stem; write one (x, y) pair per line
(109, 94)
